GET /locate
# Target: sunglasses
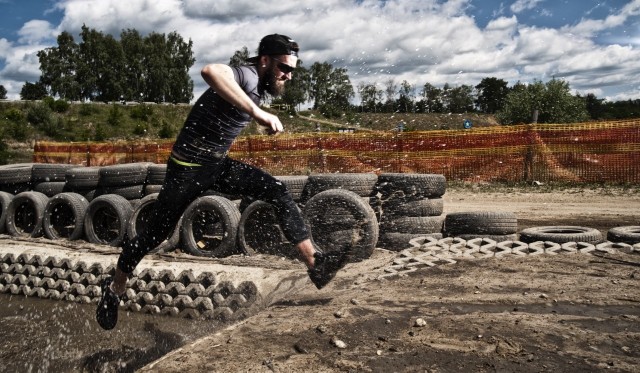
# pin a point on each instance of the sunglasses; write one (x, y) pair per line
(284, 67)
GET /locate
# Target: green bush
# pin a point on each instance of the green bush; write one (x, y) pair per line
(115, 115)
(14, 115)
(86, 110)
(142, 112)
(60, 106)
(39, 115)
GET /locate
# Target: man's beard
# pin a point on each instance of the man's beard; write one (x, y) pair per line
(270, 84)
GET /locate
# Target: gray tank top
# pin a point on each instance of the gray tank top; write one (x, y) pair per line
(213, 123)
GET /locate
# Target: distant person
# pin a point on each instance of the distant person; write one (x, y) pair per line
(199, 161)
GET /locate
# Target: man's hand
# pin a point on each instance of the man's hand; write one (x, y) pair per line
(268, 120)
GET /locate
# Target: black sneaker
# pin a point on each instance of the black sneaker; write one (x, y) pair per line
(107, 311)
(325, 267)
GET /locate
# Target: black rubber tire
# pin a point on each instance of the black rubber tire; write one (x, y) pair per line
(626, 234)
(497, 238)
(561, 234)
(210, 227)
(396, 207)
(82, 178)
(49, 172)
(152, 189)
(413, 225)
(106, 220)
(418, 185)
(50, 188)
(25, 213)
(64, 216)
(156, 174)
(295, 185)
(480, 222)
(362, 233)
(259, 232)
(126, 191)
(15, 178)
(5, 200)
(124, 174)
(362, 184)
(138, 220)
(399, 241)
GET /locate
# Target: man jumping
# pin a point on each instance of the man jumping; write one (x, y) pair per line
(199, 161)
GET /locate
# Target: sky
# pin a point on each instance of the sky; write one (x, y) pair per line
(592, 45)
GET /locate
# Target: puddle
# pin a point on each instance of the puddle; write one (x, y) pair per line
(41, 335)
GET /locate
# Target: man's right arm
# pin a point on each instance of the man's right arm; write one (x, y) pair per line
(220, 78)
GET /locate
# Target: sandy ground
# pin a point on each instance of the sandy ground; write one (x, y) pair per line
(568, 313)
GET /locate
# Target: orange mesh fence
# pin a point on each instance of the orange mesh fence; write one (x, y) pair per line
(584, 152)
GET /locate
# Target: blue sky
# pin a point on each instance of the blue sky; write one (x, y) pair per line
(593, 45)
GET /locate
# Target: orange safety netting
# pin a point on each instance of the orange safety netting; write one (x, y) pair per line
(583, 152)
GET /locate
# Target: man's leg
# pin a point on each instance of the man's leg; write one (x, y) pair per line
(245, 180)
(182, 185)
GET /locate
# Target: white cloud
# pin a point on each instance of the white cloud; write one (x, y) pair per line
(522, 5)
(415, 40)
(36, 31)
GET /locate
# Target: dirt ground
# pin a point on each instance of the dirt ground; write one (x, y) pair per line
(562, 313)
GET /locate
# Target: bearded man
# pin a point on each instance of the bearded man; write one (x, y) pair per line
(199, 162)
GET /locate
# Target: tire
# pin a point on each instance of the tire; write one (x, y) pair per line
(156, 174)
(359, 238)
(64, 216)
(25, 213)
(295, 185)
(259, 232)
(417, 185)
(627, 234)
(106, 220)
(5, 200)
(152, 189)
(123, 174)
(397, 207)
(82, 178)
(361, 184)
(497, 238)
(127, 191)
(482, 222)
(413, 224)
(210, 227)
(15, 178)
(561, 234)
(400, 241)
(50, 188)
(49, 172)
(139, 218)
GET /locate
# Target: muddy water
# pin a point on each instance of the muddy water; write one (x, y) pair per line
(41, 335)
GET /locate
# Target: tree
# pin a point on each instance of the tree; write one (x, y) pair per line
(33, 91)
(391, 88)
(3, 93)
(553, 100)
(134, 74)
(491, 94)
(370, 97)
(297, 89)
(461, 99)
(239, 58)
(180, 85)
(154, 68)
(59, 67)
(406, 96)
(431, 101)
(320, 85)
(330, 89)
(594, 106)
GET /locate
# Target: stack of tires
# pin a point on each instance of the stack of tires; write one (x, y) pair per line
(497, 226)
(336, 210)
(409, 206)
